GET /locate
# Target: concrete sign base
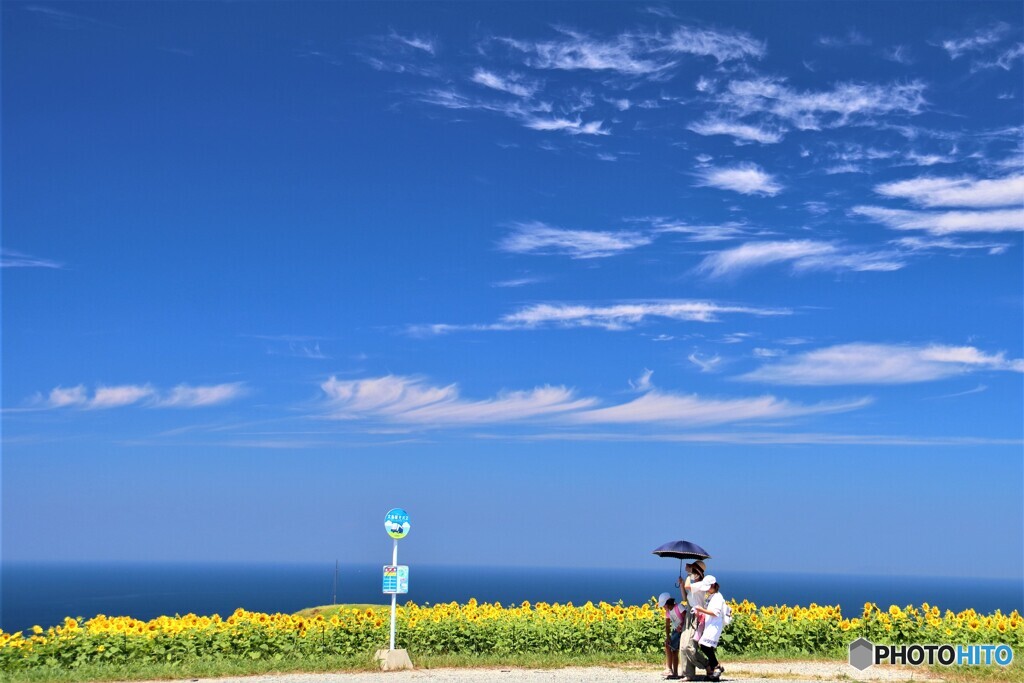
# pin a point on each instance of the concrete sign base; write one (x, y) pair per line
(393, 660)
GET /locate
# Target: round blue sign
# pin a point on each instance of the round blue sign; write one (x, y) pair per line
(396, 523)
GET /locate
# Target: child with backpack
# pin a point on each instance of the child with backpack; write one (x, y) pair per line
(675, 620)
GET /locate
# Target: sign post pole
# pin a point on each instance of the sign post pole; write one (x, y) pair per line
(394, 596)
(395, 581)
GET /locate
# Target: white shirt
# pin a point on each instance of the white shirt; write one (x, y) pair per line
(713, 624)
(695, 596)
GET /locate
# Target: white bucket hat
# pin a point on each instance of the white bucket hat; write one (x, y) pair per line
(663, 598)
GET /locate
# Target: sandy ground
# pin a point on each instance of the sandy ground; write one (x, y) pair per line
(807, 672)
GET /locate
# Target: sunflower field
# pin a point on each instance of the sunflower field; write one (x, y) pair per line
(484, 629)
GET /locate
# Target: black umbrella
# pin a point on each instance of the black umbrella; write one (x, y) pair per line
(683, 550)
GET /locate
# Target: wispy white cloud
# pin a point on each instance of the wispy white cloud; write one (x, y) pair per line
(424, 43)
(901, 54)
(103, 397)
(967, 392)
(512, 83)
(518, 282)
(947, 222)
(295, 345)
(643, 383)
(311, 351)
(706, 364)
(723, 46)
(744, 178)
(612, 317)
(67, 20)
(1006, 60)
(853, 38)
(976, 41)
(930, 243)
(912, 158)
(759, 254)
(395, 53)
(572, 126)
(1014, 160)
(963, 191)
(689, 410)
(714, 125)
(413, 401)
(636, 53)
(16, 259)
(660, 11)
(540, 238)
(863, 363)
(186, 396)
(531, 114)
(574, 51)
(61, 397)
(855, 152)
(701, 233)
(844, 168)
(844, 104)
(623, 316)
(451, 98)
(388, 64)
(801, 255)
(115, 397)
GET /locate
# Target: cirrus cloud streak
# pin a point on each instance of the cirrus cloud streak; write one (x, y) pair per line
(744, 178)
(862, 363)
(413, 401)
(801, 255)
(117, 396)
(964, 191)
(945, 222)
(540, 238)
(612, 317)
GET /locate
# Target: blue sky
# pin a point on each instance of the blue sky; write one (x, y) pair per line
(598, 275)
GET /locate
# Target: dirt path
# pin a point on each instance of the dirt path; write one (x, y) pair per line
(744, 672)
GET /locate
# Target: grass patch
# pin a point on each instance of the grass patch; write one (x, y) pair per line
(330, 610)
(982, 674)
(198, 668)
(529, 661)
(753, 657)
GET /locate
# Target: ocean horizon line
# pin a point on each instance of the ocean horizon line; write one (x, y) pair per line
(23, 564)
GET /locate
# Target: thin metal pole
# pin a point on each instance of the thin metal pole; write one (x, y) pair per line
(394, 563)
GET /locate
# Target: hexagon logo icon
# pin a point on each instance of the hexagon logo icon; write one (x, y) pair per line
(862, 654)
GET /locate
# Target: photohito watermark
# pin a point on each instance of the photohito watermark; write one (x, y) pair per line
(864, 653)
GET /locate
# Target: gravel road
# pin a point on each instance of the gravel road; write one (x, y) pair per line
(792, 672)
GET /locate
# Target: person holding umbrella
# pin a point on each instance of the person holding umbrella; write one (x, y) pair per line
(685, 550)
(692, 591)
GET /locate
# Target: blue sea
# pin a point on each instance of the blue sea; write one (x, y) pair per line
(45, 593)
